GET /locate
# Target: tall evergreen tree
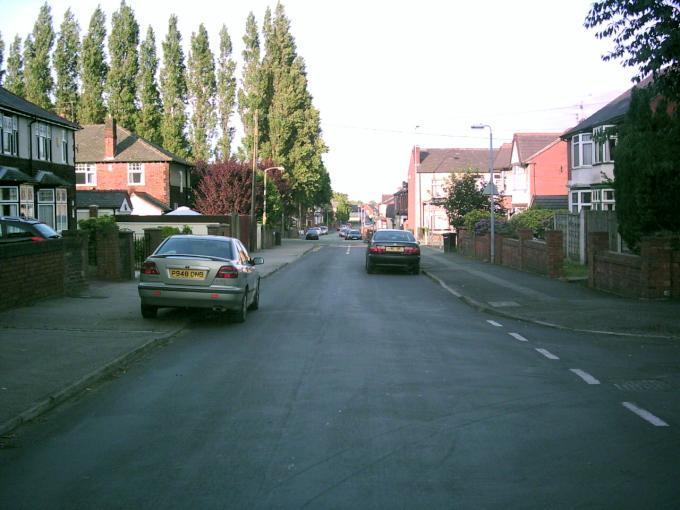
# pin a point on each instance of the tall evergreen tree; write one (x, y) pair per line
(149, 125)
(201, 90)
(93, 71)
(14, 77)
(38, 74)
(174, 92)
(250, 92)
(66, 56)
(226, 96)
(28, 54)
(121, 85)
(2, 57)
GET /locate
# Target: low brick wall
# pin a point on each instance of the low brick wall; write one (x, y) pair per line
(617, 273)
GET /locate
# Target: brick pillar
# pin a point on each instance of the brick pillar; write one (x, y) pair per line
(214, 230)
(524, 235)
(108, 254)
(655, 274)
(597, 242)
(152, 238)
(553, 241)
(126, 243)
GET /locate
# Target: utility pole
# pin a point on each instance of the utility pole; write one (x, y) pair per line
(253, 224)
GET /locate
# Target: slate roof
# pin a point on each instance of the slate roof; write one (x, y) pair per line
(101, 198)
(454, 160)
(529, 144)
(503, 157)
(11, 174)
(130, 147)
(611, 113)
(551, 201)
(17, 104)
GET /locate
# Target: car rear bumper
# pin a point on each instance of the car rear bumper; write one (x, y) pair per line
(193, 297)
(395, 260)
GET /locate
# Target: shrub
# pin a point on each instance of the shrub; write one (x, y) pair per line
(534, 219)
(91, 225)
(500, 227)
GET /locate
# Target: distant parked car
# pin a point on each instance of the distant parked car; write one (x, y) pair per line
(393, 248)
(353, 235)
(324, 230)
(200, 272)
(15, 228)
(313, 233)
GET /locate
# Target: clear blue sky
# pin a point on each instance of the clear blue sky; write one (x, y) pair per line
(379, 68)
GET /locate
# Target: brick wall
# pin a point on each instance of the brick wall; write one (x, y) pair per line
(114, 176)
(75, 260)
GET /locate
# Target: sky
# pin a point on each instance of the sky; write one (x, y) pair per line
(389, 74)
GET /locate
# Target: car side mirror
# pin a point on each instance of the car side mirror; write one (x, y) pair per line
(256, 261)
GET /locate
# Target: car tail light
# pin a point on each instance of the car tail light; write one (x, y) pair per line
(149, 267)
(377, 249)
(227, 272)
(36, 238)
(412, 250)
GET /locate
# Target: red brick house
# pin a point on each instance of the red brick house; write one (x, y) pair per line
(110, 157)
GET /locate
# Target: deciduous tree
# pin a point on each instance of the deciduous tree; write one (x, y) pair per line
(149, 122)
(2, 57)
(66, 56)
(201, 91)
(226, 96)
(93, 71)
(250, 91)
(174, 92)
(466, 194)
(14, 77)
(38, 72)
(121, 85)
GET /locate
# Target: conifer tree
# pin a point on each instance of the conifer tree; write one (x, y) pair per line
(14, 77)
(38, 73)
(174, 92)
(226, 96)
(2, 57)
(66, 56)
(121, 85)
(250, 91)
(201, 91)
(149, 125)
(27, 56)
(93, 71)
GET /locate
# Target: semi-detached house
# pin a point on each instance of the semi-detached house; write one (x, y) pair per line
(37, 174)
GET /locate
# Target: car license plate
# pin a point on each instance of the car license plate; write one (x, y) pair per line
(396, 249)
(187, 274)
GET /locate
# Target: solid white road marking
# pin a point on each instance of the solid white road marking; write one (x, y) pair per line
(547, 354)
(518, 337)
(494, 323)
(645, 415)
(585, 376)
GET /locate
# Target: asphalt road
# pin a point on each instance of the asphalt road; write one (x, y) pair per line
(348, 390)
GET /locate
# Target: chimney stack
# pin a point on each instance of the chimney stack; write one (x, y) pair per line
(110, 138)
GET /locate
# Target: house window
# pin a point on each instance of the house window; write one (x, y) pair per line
(9, 201)
(86, 173)
(26, 205)
(582, 199)
(62, 209)
(582, 150)
(46, 207)
(64, 146)
(9, 138)
(135, 174)
(604, 145)
(43, 138)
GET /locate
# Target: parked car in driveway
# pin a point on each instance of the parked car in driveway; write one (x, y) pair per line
(393, 248)
(200, 272)
(353, 235)
(15, 228)
(313, 233)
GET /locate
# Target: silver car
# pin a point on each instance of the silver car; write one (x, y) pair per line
(200, 272)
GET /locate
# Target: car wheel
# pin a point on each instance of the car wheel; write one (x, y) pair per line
(415, 270)
(242, 312)
(149, 312)
(369, 268)
(256, 299)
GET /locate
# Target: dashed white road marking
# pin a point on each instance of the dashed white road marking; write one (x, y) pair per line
(547, 353)
(645, 415)
(348, 249)
(585, 376)
(317, 248)
(518, 337)
(494, 323)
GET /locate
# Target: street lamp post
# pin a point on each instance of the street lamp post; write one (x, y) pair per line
(264, 208)
(492, 251)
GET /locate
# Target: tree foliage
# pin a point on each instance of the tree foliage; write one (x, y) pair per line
(342, 207)
(646, 35)
(201, 89)
(93, 71)
(226, 96)
(66, 56)
(149, 121)
(2, 57)
(14, 76)
(121, 85)
(250, 100)
(174, 92)
(38, 72)
(647, 171)
(464, 195)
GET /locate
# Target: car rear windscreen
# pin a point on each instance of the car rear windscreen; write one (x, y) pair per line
(404, 237)
(197, 246)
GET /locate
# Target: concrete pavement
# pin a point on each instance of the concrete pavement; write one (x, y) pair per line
(56, 348)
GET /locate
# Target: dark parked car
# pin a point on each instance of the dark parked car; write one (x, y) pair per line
(313, 233)
(14, 228)
(200, 272)
(353, 235)
(393, 248)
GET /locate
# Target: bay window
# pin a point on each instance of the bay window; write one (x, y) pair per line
(43, 138)
(582, 150)
(9, 201)
(9, 135)
(61, 210)
(26, 205)
(46, 207)
(604, 144)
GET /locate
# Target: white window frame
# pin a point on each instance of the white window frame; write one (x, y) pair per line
(89, 170)
(26, 201)
(64, 146)
(46, 203)
(61, 210)
(135, 169)
(578, 203)
(581, 145)
(43, 136)
(9, 135)
(603, 148)
(9, 201)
